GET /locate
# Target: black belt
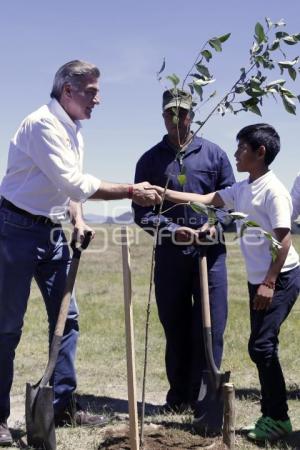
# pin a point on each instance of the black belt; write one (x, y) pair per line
(37, 219)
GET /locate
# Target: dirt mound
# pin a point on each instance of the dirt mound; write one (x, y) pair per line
(159, 438)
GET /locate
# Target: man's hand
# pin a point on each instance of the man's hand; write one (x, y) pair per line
(186, 234)
(144, 195)
(210, 229)
(263, 298)
(80, 230)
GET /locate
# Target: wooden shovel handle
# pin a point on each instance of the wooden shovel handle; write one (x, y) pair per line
(204, 291)
(64, 308)
(131, 376)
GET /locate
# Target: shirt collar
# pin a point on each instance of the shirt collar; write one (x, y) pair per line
(59, 112)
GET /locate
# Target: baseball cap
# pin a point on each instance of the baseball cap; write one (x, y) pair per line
(177, 98)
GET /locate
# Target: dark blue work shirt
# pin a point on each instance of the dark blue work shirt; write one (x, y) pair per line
(207, 169)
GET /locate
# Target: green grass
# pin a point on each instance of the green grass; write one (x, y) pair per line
(101, 358)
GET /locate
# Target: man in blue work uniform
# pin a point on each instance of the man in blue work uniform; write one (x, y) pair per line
(204, 168)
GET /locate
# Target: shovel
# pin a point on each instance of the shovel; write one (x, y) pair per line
(39, 412)
(211, 415)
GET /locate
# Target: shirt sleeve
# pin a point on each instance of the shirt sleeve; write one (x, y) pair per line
(50, 151)
(279, 209)
(295, 194)
(228, 196)
(147, 217)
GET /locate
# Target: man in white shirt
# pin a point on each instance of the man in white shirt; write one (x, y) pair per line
(44, 179)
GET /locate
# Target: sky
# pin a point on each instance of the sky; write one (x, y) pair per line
(128, 40)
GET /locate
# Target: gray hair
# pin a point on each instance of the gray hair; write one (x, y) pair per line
(74, 73)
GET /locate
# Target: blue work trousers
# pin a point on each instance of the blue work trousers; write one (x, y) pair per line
(34, 250)
(263, 342)
(177, 288)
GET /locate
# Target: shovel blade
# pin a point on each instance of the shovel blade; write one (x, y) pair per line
(209, 407)
(39, 415)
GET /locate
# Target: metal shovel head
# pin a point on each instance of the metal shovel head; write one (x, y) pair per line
(39, 415)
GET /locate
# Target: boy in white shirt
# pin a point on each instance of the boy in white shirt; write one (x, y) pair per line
(273, 285)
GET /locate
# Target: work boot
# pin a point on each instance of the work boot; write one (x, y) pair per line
(5, 435)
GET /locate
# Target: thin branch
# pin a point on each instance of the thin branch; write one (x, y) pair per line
(174, 206)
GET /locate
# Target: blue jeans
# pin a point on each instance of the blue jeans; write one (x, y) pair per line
(29, 249)
(178, 300)
(264, 341)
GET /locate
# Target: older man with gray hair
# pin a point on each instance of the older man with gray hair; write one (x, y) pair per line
(44, 179)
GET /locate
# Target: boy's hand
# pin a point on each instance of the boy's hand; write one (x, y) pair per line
(263, 298)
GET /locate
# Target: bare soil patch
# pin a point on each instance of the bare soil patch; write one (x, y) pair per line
(158, 437)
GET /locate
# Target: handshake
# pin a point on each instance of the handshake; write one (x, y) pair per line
(144, 194)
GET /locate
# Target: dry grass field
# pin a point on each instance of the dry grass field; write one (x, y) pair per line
(101, 359)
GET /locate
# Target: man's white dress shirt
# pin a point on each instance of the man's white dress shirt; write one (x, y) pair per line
(45, 160)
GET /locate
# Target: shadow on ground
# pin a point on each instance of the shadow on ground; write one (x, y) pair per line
(112, 405)
(254, 394)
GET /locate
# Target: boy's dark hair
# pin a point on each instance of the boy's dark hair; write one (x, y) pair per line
(261, 134)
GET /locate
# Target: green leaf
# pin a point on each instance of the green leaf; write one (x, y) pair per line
(280, 23)
(292, 73)
(275, 83)
(224, 37)
(290, 40)
(221, 110)
(162, 67)
(203, 70)
(207, 55)
(242, 230)
(252, 224)
(199, 208)
(256, 48)
(174, 79)
(287, 64)
(239, 89)
(212, 218)
(275, 45)
(203, 82)
(181, 179)
(255, 92)
(289, 105)
(215, 43)
(281, 34)
(259, 33)
(199, 90)
(255, 109)
(237, 215)
(274, 252)
(175, 118)
(287, 93)
(269, 23)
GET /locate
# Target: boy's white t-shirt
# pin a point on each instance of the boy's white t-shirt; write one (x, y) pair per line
(267, 202)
